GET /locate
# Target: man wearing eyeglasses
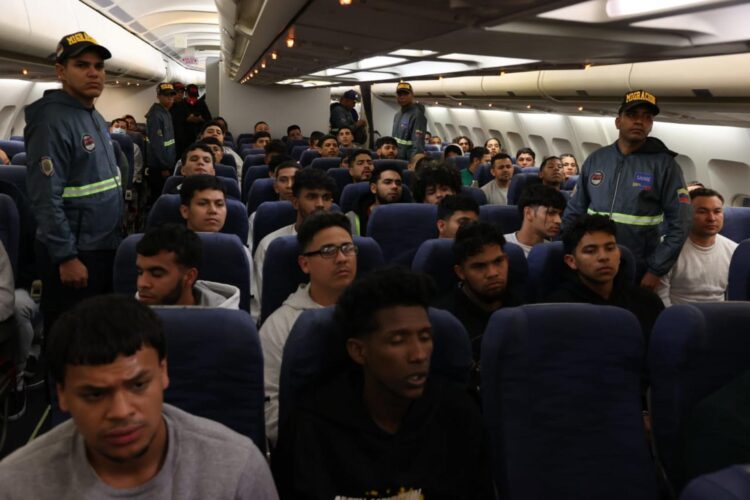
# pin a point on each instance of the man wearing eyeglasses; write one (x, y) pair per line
(329, 256)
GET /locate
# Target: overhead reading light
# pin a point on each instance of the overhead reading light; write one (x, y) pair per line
(25, 71)
(257, 71)
(274, 55)
(580, 108)
(345, 3)
(490, 104)
(528, 106)
(587, 66)
(460, 103)
(502, 73)
(290, 38)
(263, 64)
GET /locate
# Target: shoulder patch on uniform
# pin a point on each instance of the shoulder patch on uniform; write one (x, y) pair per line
(159, 133)
(46, 165)
(597, 178)
(683, 196)
(88, 143)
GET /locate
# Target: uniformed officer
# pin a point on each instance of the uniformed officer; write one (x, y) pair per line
(73, 180)
(638, 184)
(162, 150)
(409, 124)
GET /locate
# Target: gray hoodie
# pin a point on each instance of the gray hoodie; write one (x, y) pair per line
(212, 294)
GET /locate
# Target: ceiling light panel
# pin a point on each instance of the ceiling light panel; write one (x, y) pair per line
(413, 53)
(371, 76)
(487, 61)
(373, 62)
(331, 72)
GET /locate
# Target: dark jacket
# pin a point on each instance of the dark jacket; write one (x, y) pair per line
(341, 116)
(331, 447)
(638, 192)
(72, 177)
(409, 126)
(644, 304)
(162, 149)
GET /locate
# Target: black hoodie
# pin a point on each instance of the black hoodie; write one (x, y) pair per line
(333, 447)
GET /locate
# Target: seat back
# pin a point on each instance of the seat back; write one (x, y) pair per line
(561, 398)
(399, 164)
(16, 175)
(224, 261)
(342, 178)
(260, 192)
(126, 146)
(400, 228)
(517, 185)
(314, 353)
(547, 269)
(216, 367)
(307, 157)
(249, 176)
(694, 351)
(483, 175)
(229, 161)
(435, 257)
(736, 223)
(569, 183)
(739, 273)
(325, 163)
(225, 171)
(10, 230)
(297, 151)
(270, 216)
(530, 170)
(245, 151)
(732, 483)
(172, 186)
(281, 263)
(19, 159)
(12, 148)
(166, 210)
(458, 162)
(475, 193)
(506, 217)
(252, 160)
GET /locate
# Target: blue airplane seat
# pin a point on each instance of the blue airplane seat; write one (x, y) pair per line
(253, 159)
(517, 185)
(326, 163)
(166, 209)
(570, 183)
(125, 143)
(435, 155)
(12, 148)
(736, 223)
(270, 216)
(739, 273)
(342, 177)
(547, 269)
(249, 176)
(307, 157)
(16, 175)
(216, 367)
(400, 228)
(245, 151)
(354, 190)
(229, 161)
(561, 395)
(530, 170)
(732, 483)
(19, 159)
(17, 138)
(10, 229)
(399, 164)
(281, 263)
(314, 352)
(432, 147)
(260, 192)
(173, 182)
(694, 351)
(435, 257)
(506, 217)
(458, 162)
(297, 151)
(483, 175)
(475, 193)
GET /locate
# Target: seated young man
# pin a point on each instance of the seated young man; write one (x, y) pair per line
(525, 157)
(282, 170)
(203, 203)
(701, 273)
(452, 150)
(360, 165)
(386, 148)
(312, 192)
(261, 127)
(453, 212)
(569, 164)
(497, 189)
(198, 159)
(329, 256)
(541, 209)
(477, 156)
(216, 129)
(385, 428)
(433, 183)
(345, 138)
(107, 357)
(294, 133)
(216, 148)
(262, 139)
(274, 148)
(592, 254)
(210, 144)
(315, 140)
(385, 188)
(551, 172)
(481, 266)
(168, 260)
(328, 147)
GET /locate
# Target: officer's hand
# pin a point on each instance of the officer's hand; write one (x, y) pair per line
(650, 281)
(74, 274)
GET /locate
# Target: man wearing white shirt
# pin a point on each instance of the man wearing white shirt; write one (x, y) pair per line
(701, 272)
(541, 209)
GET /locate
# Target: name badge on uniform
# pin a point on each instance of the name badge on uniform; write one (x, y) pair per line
(643, 181)
(88, 143)
(597, 178)
(46, 165)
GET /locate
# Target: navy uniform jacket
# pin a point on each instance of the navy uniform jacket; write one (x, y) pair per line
(409, 126)
(72, 177)
(162, 150)
(639, 192)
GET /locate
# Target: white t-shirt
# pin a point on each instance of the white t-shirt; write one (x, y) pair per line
(700, 274)
(511, 238)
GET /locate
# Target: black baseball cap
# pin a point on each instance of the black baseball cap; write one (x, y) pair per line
(404, 87)
(639, 98)
(75, 44)
(165, 89)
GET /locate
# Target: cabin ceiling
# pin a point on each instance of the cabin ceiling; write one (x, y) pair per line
(331, 39)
